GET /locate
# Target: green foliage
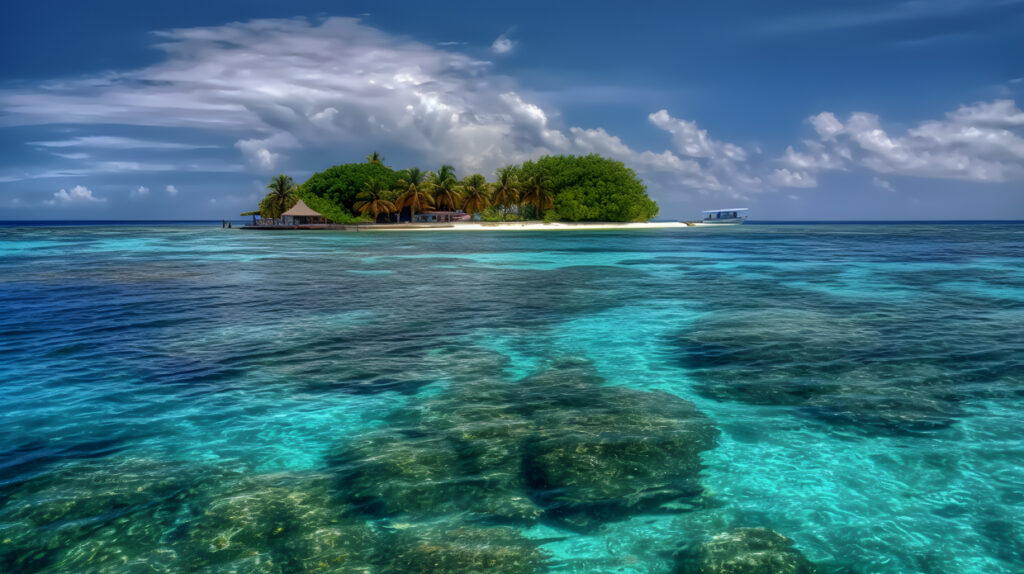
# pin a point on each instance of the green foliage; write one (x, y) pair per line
(536, 193)
(412, 191)
(341, 184)
(281, 198)
(591, 188)
(506, 189)
(476, 194)
(497, 213)
(445, 188)
(329, 210)
(372, 201)
(575, 188)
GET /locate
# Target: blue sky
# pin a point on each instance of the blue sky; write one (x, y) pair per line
(799, 110)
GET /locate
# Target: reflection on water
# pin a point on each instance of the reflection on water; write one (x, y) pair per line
(764, 399)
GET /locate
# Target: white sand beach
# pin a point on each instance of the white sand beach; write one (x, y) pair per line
(526, 226)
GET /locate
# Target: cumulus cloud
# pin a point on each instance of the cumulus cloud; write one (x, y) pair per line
(282, 85)
(712, 164)
(257, 151)
(172, 190)
(981, 142)
(783, 177)
(77, 196)
(826, 125)
(274, 87)
(882, 184)
(503, 44)
(139, 193)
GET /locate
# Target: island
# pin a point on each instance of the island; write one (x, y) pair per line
(552, 192)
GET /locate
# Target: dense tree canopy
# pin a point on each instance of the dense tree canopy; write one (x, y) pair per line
(591, 188)
(573, 188)
(341, 185)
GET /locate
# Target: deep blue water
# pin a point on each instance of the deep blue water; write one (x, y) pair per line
(186, 398)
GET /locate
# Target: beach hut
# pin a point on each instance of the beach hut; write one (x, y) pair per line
(301, 214)
(442, 217)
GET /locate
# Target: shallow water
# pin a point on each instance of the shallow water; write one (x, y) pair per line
(190, 398)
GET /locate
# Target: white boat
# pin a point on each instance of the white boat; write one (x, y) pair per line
(732, 216)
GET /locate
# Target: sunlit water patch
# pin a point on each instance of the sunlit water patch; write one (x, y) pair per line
(182, 399)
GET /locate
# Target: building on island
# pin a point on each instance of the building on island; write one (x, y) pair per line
(301, 214)
(441, 217)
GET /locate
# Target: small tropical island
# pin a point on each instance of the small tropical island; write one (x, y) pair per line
(560, 192)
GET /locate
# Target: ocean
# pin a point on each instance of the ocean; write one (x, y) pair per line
(186, 398)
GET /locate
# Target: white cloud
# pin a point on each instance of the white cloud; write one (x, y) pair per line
(688, 138)
(77, 196)
(257, 151)
(172, 190)
(276, 86)
(882, 184)
(139, 193)
(826, 125)
(981, 142)
(787, 178)
(118, 143)
(713, 165)
(817, 158)
(503, 44)
(281, 85)
(115, 167)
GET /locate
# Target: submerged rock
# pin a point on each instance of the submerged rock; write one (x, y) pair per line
(102, 515)
(771, 356)
(744, 551)
(831, 368)
(558, 444)
(440, 550)
(127, 515)
(276, 523)
(389, 473)
(897, 412)
(626, 450)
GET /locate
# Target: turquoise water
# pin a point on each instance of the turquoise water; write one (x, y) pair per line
(187, 398)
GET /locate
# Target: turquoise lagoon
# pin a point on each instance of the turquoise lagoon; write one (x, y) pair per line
(187, 398)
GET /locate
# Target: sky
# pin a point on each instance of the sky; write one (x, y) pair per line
(821, 110)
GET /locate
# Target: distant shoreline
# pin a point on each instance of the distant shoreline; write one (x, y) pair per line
(238, 223)
(481, 226)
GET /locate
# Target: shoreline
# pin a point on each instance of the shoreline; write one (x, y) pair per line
(484, 226)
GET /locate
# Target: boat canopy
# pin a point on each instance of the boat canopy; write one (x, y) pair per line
(721, 210)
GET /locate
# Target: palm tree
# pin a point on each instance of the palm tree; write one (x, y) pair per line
(506, 190)
(414, 194)
(535, 193)
(371, 200)
(375, 158)
(445, 187)
(475, 194)
(282, 195)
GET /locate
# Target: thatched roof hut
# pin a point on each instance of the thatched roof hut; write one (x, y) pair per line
(300, 213)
